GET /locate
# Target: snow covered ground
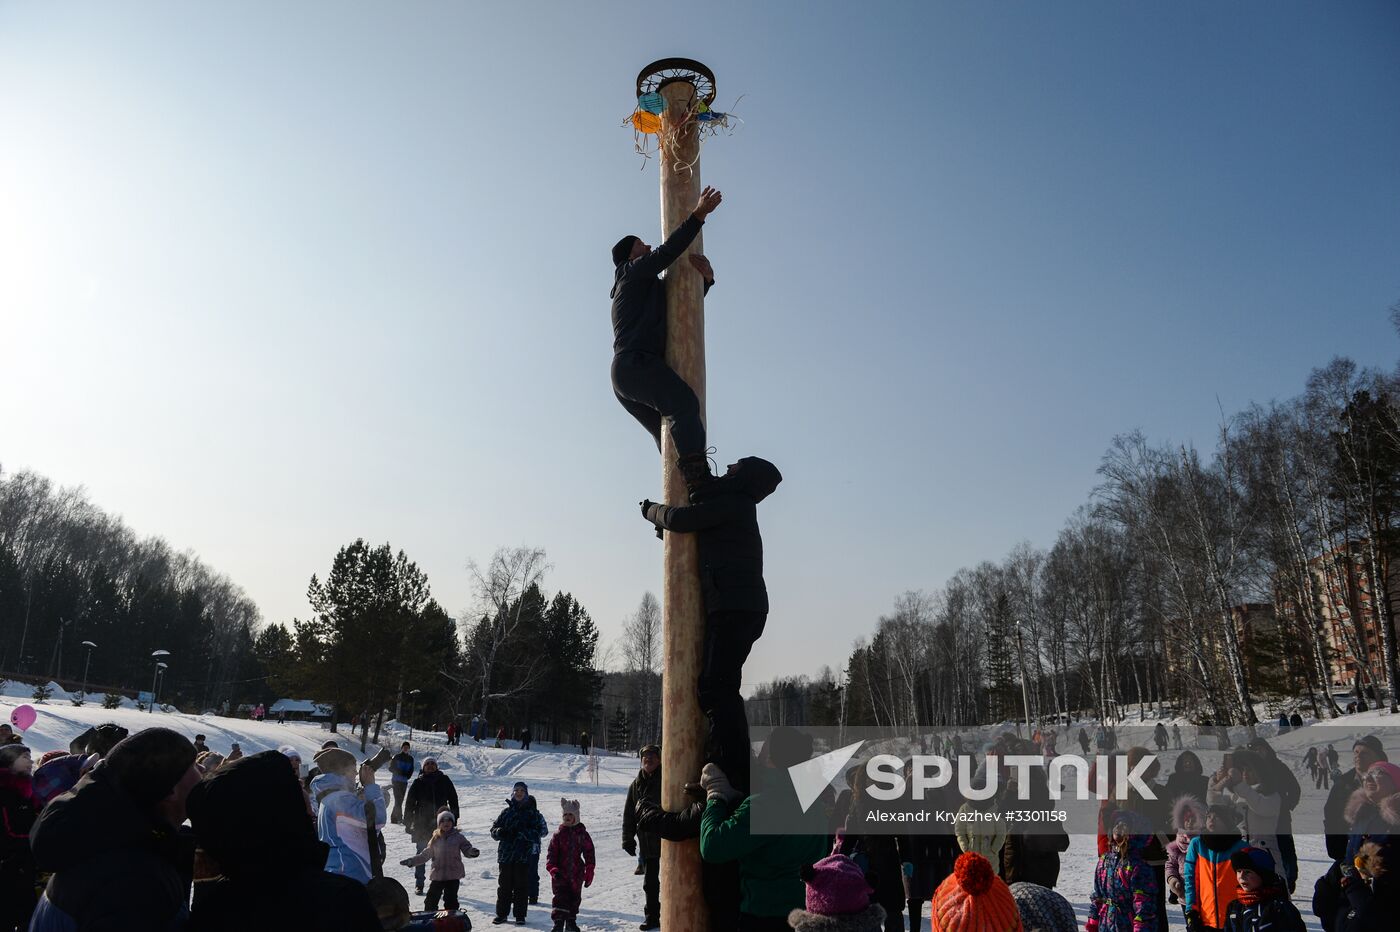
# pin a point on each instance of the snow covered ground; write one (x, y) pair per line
(484, 776)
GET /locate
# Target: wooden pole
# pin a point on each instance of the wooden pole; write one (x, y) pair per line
(683, 727)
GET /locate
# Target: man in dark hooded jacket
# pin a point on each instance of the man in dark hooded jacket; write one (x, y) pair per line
(249, 816)
(646, 386)
(113, 842)
(428, 795)
(724, 516)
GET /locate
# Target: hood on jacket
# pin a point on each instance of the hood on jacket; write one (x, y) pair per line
(1193, 806)
(1188, 763)
(57, 776)
(325, 782)
(527, 804)
(871, 919)
(754, 478)
(1138, 826)
(250, 815)
(1358, 806)
(89, 823)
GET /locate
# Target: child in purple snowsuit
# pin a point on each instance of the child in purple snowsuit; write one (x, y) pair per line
(570, 863)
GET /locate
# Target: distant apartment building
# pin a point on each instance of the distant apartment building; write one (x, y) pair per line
(1346, 601)
(1254, 622)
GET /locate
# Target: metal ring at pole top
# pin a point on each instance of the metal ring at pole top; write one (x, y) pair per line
(666, 71)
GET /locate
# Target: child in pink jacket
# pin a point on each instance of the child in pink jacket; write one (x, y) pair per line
(570, 864)
(446, 848)
(1189, 818)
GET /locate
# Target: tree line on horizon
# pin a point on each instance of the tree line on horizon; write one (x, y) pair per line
(375, 642)
(69, 573)
(1147, 596)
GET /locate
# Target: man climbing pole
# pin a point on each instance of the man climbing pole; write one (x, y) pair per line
(645, 385)
(724, 517)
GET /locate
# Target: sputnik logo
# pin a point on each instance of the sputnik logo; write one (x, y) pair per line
(810, 778)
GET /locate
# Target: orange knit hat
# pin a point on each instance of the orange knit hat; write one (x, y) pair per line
(972, 898)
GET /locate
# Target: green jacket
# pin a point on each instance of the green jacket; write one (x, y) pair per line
(770, 884)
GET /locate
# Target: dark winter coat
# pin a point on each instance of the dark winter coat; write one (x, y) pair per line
(16, 860)
(878, 858)
(426, 797)
(646, 787)
(570, 854)
(1334, 813)
(519, 829)
(1275, 913)
(16, 819)
(719, 882)
(724, 515)
(1034, 857)
(672, 826)
(1187, 784)
(1327, 898)
(308, 899)
(115, 867)
(932, 857)
(1182, 782)
(250, 820)
(639, 294)
(1357, 906)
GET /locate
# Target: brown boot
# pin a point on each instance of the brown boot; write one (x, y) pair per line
(695, 470)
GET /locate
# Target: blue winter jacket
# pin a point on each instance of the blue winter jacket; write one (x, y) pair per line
(340, 823)
(401, 768)
(519, 829)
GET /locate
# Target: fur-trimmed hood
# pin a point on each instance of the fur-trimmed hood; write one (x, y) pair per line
(1192, 805)
(1359, 807)
(872, 919)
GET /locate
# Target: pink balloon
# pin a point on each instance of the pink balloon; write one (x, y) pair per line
(23, 716)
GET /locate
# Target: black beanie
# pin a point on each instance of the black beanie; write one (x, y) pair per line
(623, 250)
(147, 765)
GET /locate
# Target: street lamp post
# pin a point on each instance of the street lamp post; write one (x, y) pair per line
(412, 711)
(87, 663)
(156, 655)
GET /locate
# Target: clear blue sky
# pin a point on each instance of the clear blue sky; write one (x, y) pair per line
(275, 276)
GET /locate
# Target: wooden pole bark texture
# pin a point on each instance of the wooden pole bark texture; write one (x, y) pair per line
(683, 727)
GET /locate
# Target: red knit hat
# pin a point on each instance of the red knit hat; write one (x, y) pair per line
(974, 897)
